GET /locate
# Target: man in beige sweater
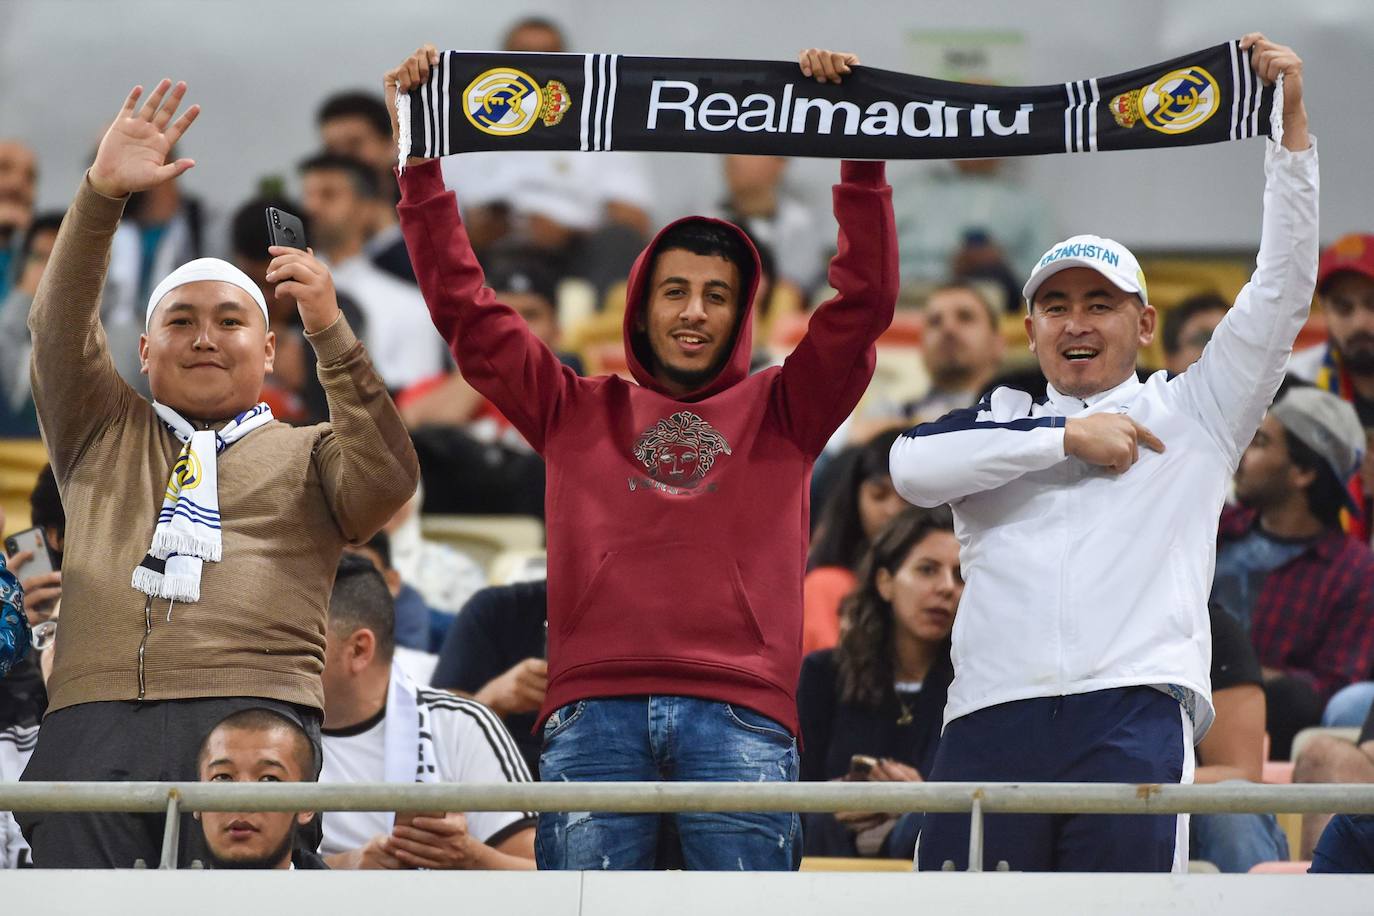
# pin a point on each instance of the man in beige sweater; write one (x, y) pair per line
(202, 535)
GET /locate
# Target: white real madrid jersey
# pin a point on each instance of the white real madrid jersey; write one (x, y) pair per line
(1078, 579)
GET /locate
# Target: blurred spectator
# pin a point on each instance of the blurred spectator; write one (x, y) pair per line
(1287, 571)
(17, 742)
(445, 577)
(23, 694)
(18, 181)
(521, 280)
(1233, 749)
(963, 348)
(257, 745)
(293, 387)
(160, 229)
(758, 202)
(17, 416)
(380, 727)
(1187, 327)
(1344, 365)
(589, 212)
(881, 692)
(1328, 759)
(411, 615)
(41, 593)
(495, 653)
(356, 124)
(861, 503)
(971, 218)
(340, 195)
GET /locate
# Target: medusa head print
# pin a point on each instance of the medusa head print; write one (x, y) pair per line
(680, 450)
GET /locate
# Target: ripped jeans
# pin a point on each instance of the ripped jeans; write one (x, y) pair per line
(649, 738)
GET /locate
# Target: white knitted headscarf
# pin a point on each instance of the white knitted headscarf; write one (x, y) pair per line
(205, 269)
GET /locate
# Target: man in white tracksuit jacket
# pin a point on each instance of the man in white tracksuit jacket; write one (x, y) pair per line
(1088, 530)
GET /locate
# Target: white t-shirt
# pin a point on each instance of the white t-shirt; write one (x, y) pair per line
(399, 335)
(571, 188)
(16, 747)
(470, 745)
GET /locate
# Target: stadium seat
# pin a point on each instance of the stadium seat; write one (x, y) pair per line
(517, 566)
(1277, 772)
(20, 462)
(1281, 868)
(1302, 738)
(483, 537)
(837, 863)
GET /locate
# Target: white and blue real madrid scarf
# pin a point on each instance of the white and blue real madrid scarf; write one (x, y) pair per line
(188, 525)
(507, 101)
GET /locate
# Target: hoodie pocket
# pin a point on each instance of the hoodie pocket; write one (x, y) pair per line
(664, 601)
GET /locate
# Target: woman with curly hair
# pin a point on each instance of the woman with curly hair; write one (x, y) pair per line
(871, 708)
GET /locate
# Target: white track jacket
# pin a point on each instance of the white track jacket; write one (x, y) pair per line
(1079, 579)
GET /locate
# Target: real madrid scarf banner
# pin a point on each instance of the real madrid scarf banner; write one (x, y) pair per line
(511, 101)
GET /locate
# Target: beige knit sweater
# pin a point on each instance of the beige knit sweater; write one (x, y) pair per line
(289, 498)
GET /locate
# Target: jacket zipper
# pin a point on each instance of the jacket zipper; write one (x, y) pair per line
(143, 645)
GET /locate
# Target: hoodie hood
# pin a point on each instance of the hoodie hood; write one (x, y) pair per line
(639, 354)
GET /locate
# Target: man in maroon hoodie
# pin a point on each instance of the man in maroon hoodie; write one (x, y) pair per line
(677, 504)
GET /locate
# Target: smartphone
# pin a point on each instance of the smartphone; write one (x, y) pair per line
(285, 229)
(860, 765)
(31, 539)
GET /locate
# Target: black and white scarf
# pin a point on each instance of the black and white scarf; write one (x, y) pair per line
(477, 101)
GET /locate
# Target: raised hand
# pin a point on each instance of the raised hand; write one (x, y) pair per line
(301, 276)
(133, 153)
(1269, 59)
(826, 66)
(411, 74)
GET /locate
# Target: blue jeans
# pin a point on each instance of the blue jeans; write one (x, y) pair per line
(642, 739)
(1349, 707)
(1235, 843)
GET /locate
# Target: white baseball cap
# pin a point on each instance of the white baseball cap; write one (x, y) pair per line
(1111, 259)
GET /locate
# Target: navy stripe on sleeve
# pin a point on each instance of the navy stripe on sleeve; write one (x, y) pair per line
(967, 418)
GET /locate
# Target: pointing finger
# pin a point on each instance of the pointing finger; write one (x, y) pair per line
(1148, 439)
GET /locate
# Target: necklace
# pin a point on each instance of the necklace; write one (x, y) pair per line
(904, 717)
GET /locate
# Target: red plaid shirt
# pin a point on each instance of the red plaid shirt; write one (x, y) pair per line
(1314, 618)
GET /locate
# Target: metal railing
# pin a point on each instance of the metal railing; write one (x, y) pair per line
(978, 799)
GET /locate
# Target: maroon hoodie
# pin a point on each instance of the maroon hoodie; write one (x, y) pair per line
(677, 526)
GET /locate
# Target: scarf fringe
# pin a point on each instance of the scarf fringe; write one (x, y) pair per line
(167, 543)
(147, 581)
(179, 588)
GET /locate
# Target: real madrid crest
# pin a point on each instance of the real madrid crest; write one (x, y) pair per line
(506, 102)
(1177, 102)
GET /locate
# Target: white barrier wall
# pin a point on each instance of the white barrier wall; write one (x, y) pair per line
(676, 894)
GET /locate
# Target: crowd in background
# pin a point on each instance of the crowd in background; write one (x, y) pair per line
(556, 232)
